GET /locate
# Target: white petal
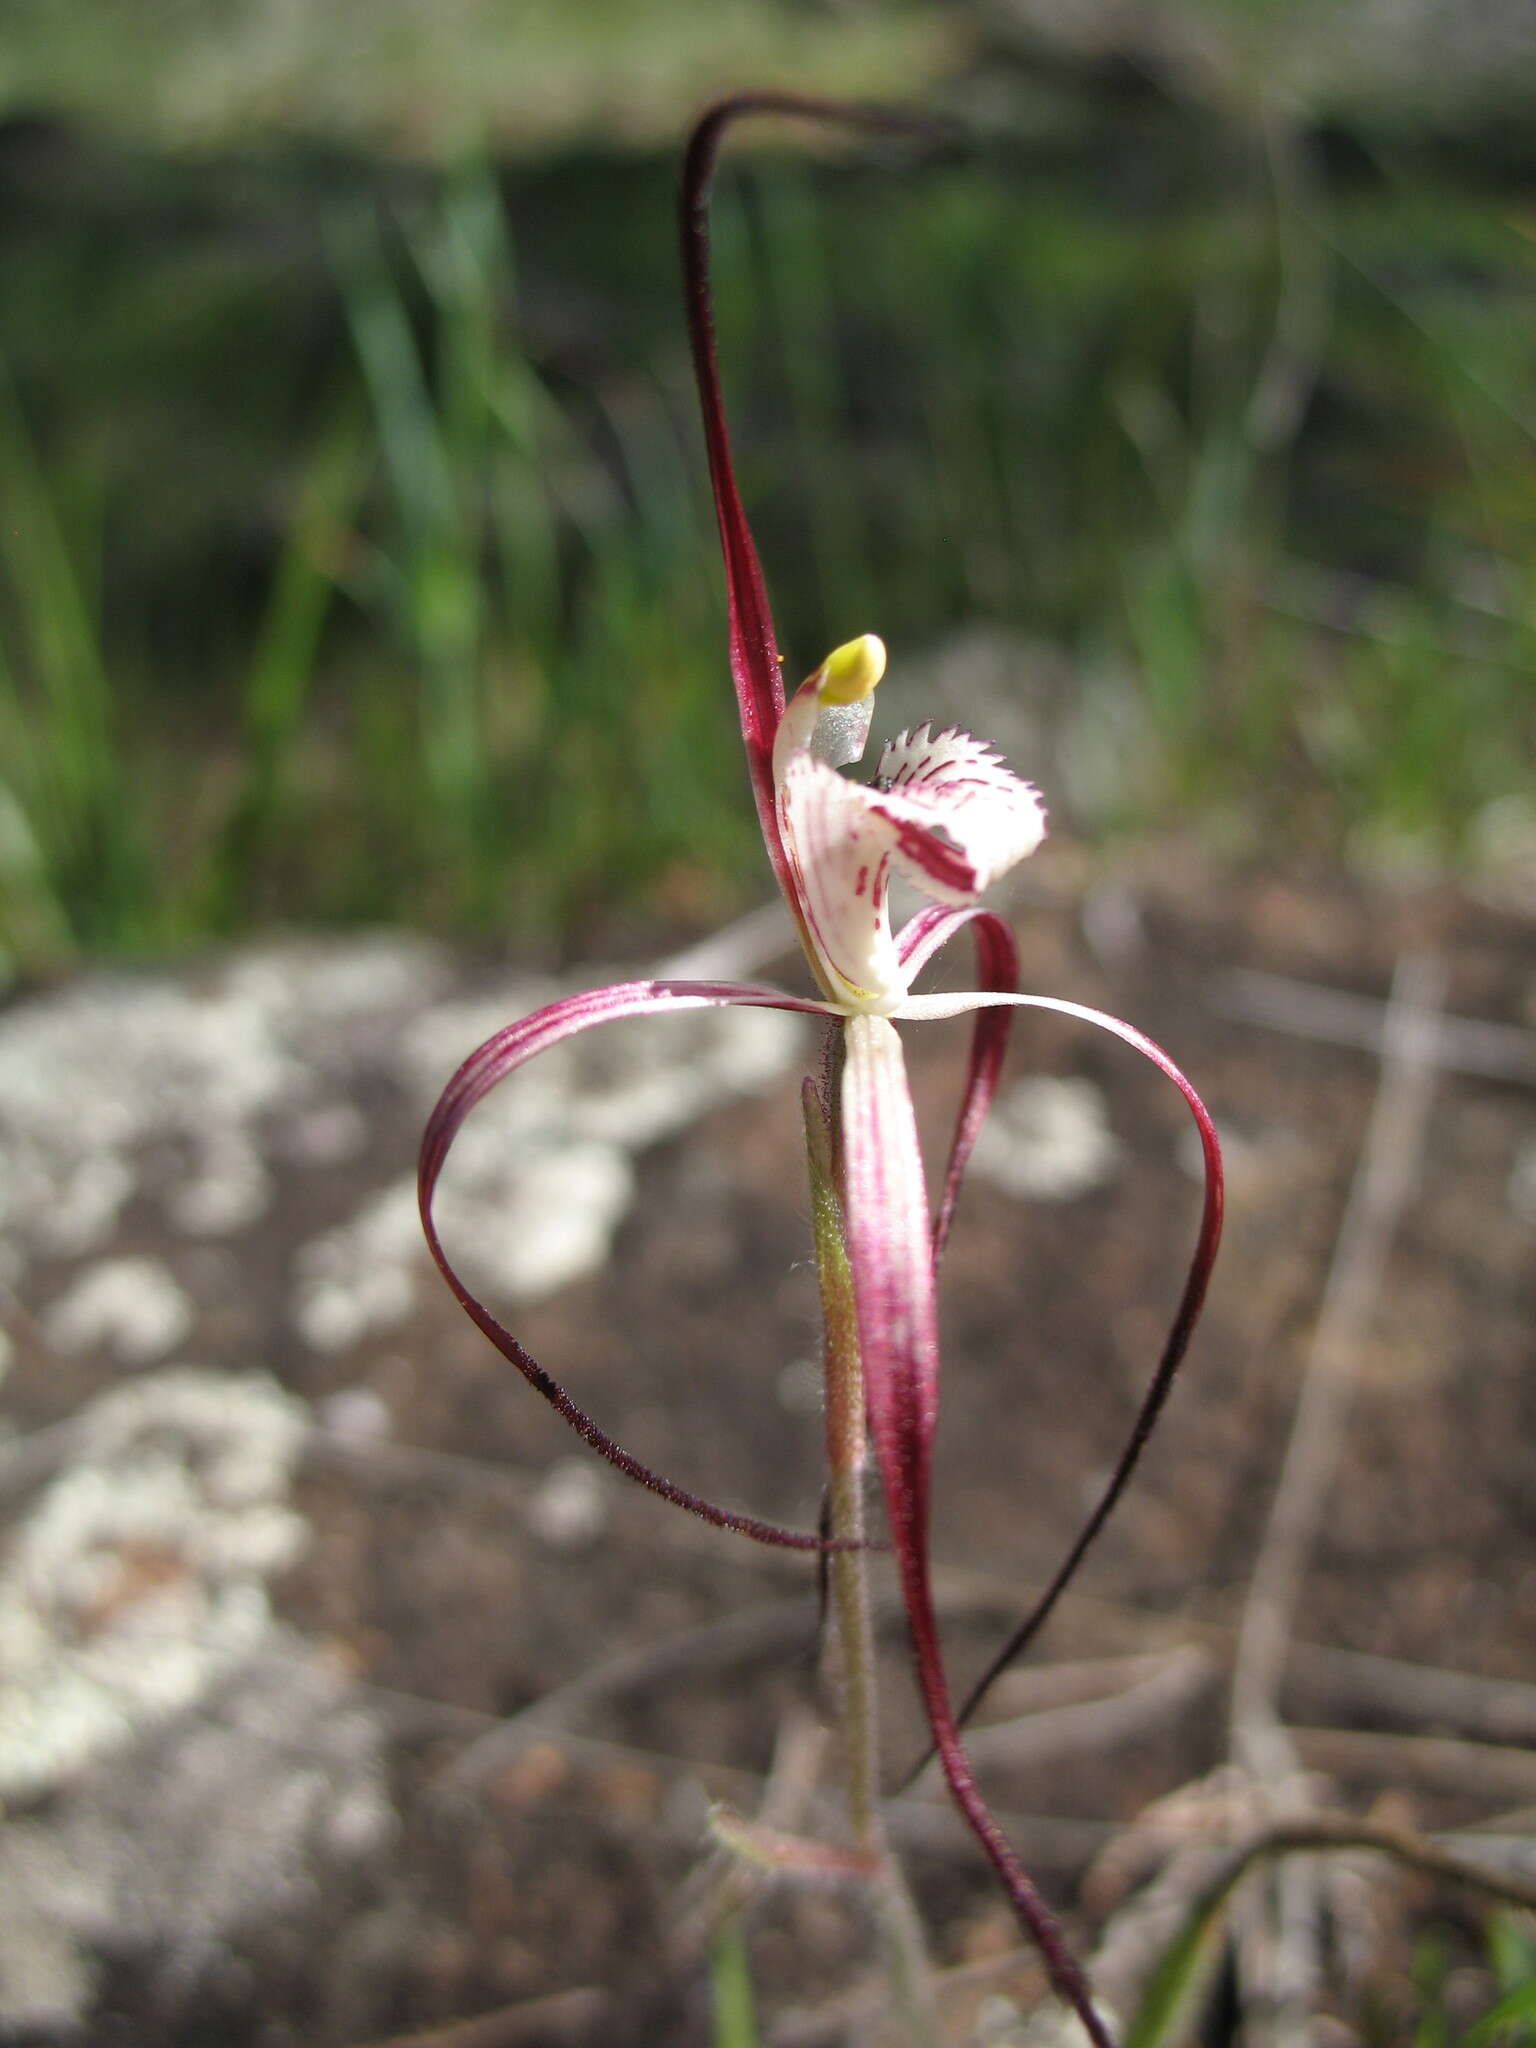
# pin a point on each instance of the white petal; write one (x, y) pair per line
(943, 807)
(963, 817)
(839, 849)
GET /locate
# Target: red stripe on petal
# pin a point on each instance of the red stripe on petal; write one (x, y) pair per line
(885, 1213)
(933, 861)
(997, 963)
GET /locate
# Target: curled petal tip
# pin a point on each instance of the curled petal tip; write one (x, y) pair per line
(485, 1069)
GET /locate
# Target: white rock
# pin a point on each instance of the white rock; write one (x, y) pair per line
(131, 1308)
(569, 1508)
(229, 1191)
(201, 1069)
(140, 1573)
(140, 1857)
(362, 1276)
(1048, 1140)
(356, 1414)
(520, 1223)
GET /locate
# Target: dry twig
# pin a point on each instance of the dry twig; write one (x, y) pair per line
(1384, 1181)
(1155, 1695)
(1278, 1955)
(1305, 1009)
(566, 2016)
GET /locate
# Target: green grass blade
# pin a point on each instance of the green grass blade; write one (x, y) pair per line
(59, 629)
(305, 581)
(436, 549)
(1181, 1978)
(283, 667)
(76, 800)
(730, 1980)
(1510, 2024)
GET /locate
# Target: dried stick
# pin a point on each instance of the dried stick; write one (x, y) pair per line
(1332, 1016)
(772, 1629)
(1384, 1181)
(1277, 1956)
(1495, 1772)
(1320, 1831)
(536, 2023)
(1163, 1688)
(1340, 1685)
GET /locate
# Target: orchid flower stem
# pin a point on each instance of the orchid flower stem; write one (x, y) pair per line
(945, 811)
(901, 1930)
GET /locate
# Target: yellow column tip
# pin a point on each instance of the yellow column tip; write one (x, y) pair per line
(851, 671)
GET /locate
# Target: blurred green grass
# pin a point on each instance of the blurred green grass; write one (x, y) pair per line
(357, 562)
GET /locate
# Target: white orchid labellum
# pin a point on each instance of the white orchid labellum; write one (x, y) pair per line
(942, 808)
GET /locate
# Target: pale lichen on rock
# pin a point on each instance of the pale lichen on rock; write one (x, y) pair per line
(130, 1308)
(1048, 1140)
(141, 1571)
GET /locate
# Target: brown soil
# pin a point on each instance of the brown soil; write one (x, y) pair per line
(450, 1594)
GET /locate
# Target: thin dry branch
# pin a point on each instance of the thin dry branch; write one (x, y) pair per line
(566, 2016)
(1345, 1685)
(1278, 1959)
(1332, 1016)
(1384, 1182)
(1482, 1771)
(776, 1628)
(837, 2021)
(1326, 1831)
(1154, 1696)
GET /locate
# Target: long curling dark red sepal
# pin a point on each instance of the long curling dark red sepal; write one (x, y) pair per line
(484, 1069)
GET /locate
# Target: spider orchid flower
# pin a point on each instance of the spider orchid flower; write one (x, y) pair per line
(944, 811)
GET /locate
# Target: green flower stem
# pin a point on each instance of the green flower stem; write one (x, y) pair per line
(848, 1571)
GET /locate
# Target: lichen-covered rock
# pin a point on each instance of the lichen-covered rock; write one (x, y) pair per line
(220, 1107)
